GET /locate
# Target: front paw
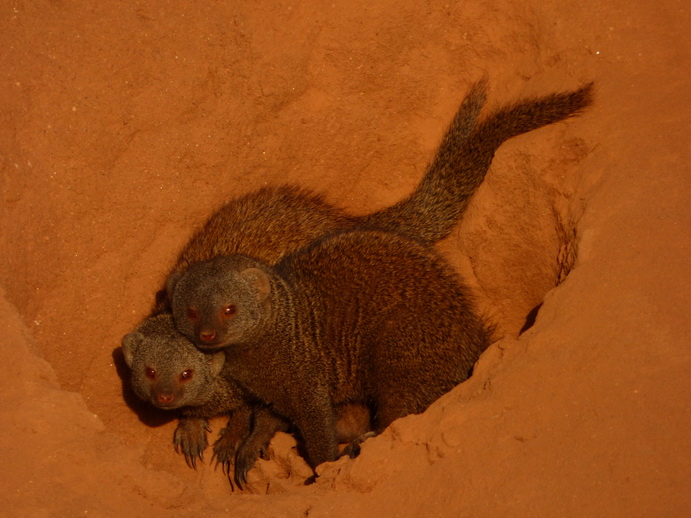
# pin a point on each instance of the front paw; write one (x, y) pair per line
(247, 455)
(225, 447)
(190, 439)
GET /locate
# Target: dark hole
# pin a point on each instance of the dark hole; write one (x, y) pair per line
(530, 319)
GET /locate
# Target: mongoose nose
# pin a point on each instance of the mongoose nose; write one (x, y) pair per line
(165, 399)
(207, 336)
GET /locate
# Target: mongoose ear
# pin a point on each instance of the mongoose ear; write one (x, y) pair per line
(171, 282)
(129, 343)
(260, 280)
(217, 362)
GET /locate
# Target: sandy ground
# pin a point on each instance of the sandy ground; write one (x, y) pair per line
(123, 125)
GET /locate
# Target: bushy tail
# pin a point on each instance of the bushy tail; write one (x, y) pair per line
(463, 158)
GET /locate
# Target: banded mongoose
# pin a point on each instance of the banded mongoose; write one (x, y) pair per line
(363, 317)
(274, 221)
(169, 372)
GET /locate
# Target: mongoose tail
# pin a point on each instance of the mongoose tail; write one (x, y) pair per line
(462, 161)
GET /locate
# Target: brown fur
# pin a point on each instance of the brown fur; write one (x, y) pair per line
(274, 221)
(427, 215)
(171, 374)
(362, 317)
(158, 356)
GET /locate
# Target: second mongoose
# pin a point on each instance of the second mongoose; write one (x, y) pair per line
(275, 221)
(169, 372)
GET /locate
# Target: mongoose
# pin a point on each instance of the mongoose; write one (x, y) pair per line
(212, 320)
(364, 317)
(169, 372)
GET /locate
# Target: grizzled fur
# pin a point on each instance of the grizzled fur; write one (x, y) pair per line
(169, 372)
(363, 317)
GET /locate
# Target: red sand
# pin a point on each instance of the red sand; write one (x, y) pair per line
(124, 124)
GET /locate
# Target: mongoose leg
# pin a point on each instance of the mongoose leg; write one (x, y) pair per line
(317, 426)
(353, 421)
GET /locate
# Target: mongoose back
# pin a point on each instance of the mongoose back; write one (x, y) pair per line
(363, 317)
(169, 372)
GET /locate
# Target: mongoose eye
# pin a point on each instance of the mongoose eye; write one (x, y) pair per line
(192, 314)
(229, 311)
(186, 375)
(150, 373)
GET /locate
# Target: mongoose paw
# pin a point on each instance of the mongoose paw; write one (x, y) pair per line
(225, 448)
(352, 450)
(190, 439)
(247, 455)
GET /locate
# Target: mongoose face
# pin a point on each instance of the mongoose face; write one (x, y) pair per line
(168, 371)
(219, 303)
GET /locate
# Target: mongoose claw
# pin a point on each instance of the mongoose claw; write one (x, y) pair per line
(244, 460)
(264, 453)
(190, 440)
(225, 464)
(240, 476)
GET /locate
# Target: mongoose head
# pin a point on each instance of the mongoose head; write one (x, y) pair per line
(168, 371)
(220, 302)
